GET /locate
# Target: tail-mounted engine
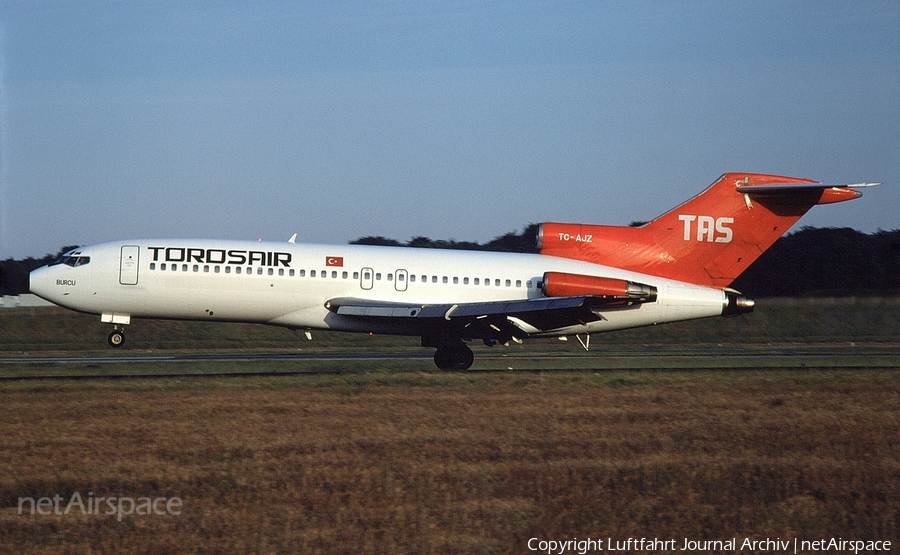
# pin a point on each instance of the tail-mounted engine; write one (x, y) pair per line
(560, 284)
(736, 303)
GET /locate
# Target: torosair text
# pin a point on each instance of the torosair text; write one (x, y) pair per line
(221, 256)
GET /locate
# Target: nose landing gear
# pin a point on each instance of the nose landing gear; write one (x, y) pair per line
(116, 338)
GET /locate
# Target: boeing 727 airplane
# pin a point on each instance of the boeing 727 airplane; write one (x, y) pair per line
(587, 279)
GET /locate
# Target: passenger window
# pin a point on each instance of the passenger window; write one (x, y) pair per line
(237, 270)
(355, 275)
(518, 283)
(433, 279)
(477, 281)
(444, 279)
(465, 281)
(344, 275)
(184, 268)
(218, 269)
(334, 274)
(412, 278)
(153, 265)
(271, 271)
(302, 273)
(390, 277)
(324, 273)
(162, 266)
(292, 273)
(227, 269)
(280, 271)
(508, 283)
(378, 276)
(496, 283)
(205, 269)
(312, 273)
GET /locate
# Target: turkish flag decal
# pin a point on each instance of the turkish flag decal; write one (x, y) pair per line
(334, 260)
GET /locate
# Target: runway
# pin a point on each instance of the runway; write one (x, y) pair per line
(260, 364)
(233, 357)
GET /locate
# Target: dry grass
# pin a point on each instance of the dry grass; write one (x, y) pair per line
(453, 463)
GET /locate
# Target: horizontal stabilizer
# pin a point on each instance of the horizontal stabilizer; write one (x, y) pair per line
(789, 187)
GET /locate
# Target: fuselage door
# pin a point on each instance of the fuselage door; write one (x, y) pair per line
(128, 265)
(401, 277)
(367, 278)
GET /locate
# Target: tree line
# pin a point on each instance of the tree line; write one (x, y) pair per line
(811, 261)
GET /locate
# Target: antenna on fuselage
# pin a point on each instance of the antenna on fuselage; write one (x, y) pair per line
(293, 239)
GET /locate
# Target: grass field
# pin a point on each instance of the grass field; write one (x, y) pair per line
(394, 457)
(775, 321)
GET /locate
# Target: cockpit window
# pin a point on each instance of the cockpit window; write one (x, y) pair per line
(64, 259)
(72, 258)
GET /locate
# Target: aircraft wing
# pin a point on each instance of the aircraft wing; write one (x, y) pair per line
(497, 320)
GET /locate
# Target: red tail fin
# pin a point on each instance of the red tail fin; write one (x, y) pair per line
(708, 240)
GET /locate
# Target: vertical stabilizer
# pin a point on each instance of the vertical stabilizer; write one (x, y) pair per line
(708, 240)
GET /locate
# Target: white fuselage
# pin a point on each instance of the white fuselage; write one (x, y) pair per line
(289, 284)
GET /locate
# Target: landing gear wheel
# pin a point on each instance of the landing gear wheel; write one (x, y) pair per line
(454, 357)
(116, 338)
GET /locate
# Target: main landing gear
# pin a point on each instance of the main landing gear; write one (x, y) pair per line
(116, 338)
(454, 357)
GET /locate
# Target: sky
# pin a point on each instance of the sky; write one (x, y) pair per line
(451, 120)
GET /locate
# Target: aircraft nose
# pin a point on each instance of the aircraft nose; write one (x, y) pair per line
(38, 282)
